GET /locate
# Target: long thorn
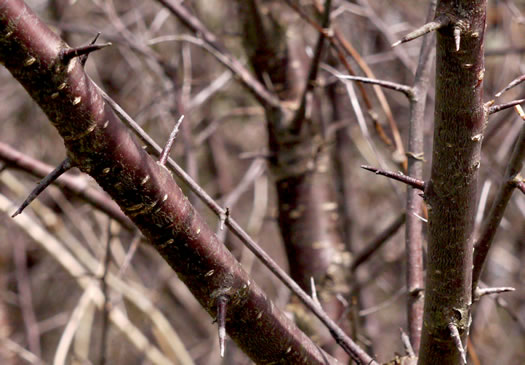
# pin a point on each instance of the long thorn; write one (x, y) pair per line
(479, 292)
(421, 31)
(70, 53)
(222, 302)
(44, 183)
(499, 107)
(169, 144)
(415, 183)
(84, 57)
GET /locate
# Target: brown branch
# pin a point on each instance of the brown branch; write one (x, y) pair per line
(300, 114)
(491, 223)
(99, 144)
(450, 193)
(414, 202)
(399, 176)
(499, 107)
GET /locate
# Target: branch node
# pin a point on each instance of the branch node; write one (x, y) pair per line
(44, 183)
(166, 151)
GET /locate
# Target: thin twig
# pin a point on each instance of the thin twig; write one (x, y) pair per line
(373, 246)
(44, 183)
(490, 225)
(166, 151)
(399, 176)
(314, 68)
(105, 306)
(406, 343)
(499, 107)
(407, 90)
(513, 83)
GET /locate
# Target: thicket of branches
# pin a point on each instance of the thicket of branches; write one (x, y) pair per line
(263, 210)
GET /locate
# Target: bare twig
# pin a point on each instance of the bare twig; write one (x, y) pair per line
(104, 328)
(407, 90)
(499, 107)
(166, 151)
(399, 176)
(511, 180)
(312, 73)
(512, 84)
(373, 246)
(406, 343)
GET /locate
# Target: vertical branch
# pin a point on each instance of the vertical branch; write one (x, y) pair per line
(488, 230)
(414, 232)
(451, 192)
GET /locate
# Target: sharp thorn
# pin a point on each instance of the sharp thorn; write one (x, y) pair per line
(44, 183)
(70, 53)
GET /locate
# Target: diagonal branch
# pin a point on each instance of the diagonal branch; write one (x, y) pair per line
(144, 190)
(100, 145)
